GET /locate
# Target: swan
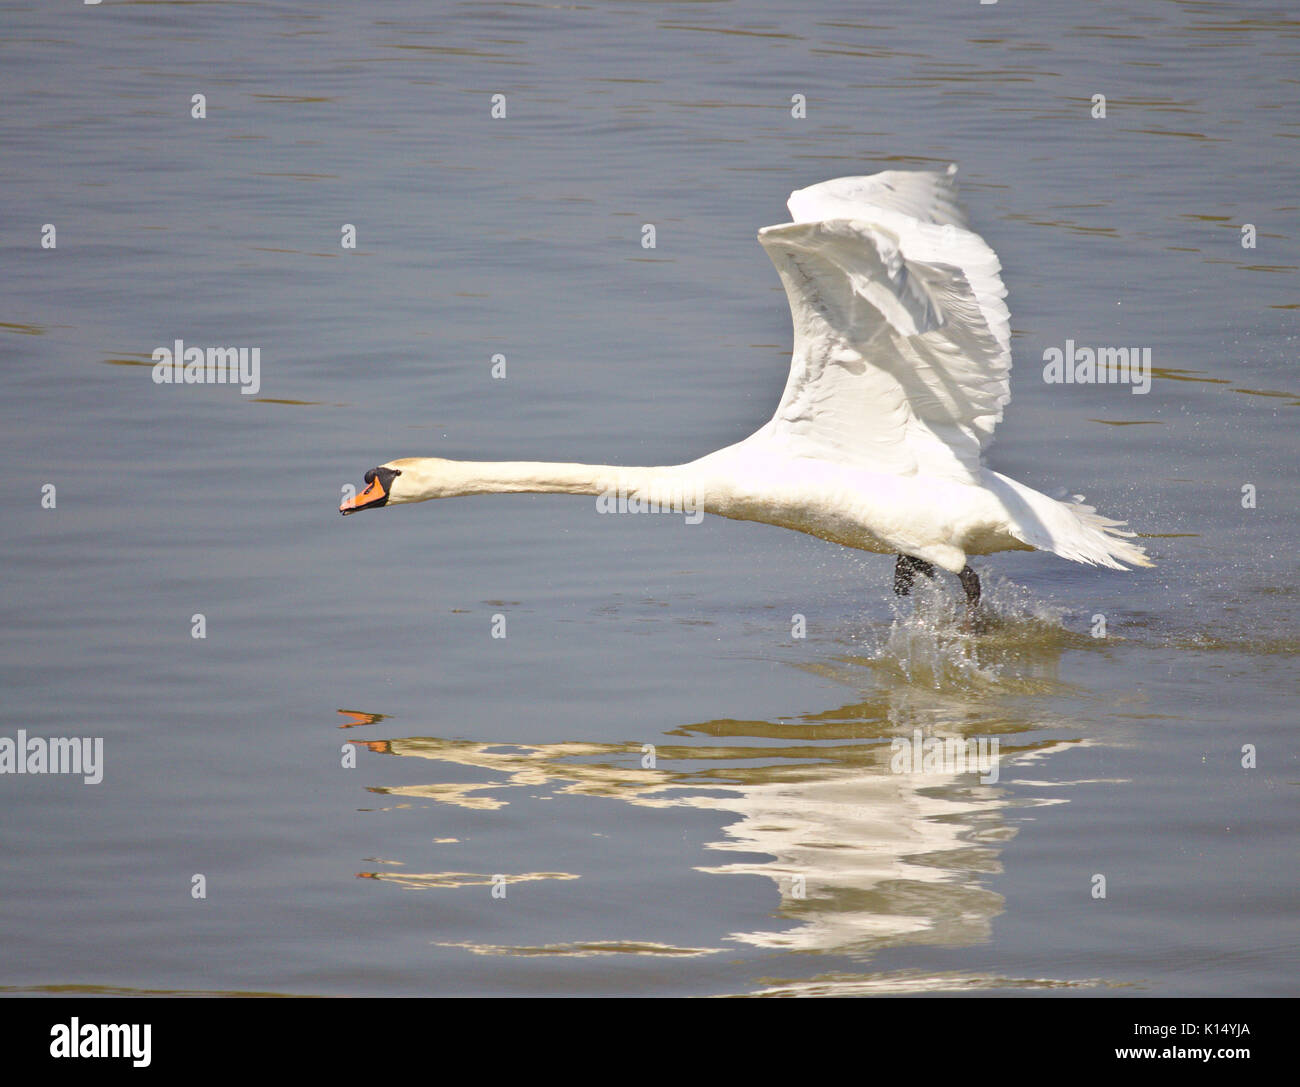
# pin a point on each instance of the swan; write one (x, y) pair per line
(900, 371)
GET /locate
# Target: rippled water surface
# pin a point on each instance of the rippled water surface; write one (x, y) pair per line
(676, 795)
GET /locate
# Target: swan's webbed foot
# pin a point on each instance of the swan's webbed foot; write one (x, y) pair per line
(905, 573)
(906, 569)
(970, 581)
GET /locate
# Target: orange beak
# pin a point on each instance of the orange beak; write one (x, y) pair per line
(371, 494)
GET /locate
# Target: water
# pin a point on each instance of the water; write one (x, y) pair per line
(768, 846)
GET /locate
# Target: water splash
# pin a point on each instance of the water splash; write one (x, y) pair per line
(1016, 640)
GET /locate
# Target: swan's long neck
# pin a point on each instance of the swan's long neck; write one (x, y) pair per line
(431, 477)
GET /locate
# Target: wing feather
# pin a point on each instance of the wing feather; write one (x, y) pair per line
(902, 345)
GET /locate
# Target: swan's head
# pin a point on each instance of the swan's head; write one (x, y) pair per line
(381, 490)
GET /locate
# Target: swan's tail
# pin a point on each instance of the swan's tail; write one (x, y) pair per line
(1069, 529)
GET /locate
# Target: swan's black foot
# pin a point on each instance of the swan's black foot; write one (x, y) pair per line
(970, 581)
(905, 572)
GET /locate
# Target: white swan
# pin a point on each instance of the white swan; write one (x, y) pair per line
(900, 372)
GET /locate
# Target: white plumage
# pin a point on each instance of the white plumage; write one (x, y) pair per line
(900, 371)
(902, 343)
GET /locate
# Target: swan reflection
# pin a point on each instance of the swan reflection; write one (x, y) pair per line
(860, 856)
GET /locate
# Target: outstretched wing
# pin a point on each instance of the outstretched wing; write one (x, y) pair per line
(902, 341)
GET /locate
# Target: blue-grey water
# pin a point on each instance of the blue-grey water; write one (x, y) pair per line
(679, 796)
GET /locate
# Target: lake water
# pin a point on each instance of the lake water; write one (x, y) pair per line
(681, 796)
